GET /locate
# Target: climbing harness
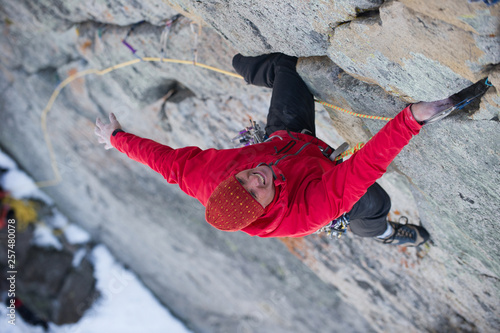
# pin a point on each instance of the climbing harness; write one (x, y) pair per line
(336, 228)
(25, 210)
(337, 152)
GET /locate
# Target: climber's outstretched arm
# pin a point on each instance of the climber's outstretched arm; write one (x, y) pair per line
(352, 178)
(182, 166)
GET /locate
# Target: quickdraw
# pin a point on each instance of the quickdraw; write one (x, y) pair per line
(124, 40)
(336, 228)
(249, 135)
(165, 33)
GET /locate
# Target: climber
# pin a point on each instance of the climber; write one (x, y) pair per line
(286, 187)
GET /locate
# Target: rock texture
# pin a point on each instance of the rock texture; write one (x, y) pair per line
(255, 28)
(405, 63)
(366, 56)
(50, 283)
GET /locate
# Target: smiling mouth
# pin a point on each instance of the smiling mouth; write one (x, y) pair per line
(261, 178)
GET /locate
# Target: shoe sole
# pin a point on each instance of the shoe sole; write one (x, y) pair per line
(424, 234)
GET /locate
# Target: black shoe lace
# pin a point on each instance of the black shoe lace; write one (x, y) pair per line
(403, 232)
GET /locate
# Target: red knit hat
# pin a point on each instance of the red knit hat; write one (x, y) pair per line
(231, 207)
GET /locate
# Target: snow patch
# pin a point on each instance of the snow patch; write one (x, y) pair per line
(44, 237)
(20, 186)
(125, 305)
(58, 220)
(76, 235)
(122, 294)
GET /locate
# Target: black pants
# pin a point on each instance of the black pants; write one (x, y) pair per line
(292, 108)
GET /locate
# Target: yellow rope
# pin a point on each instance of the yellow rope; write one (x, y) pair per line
(57, 176)
(354, 113)
(360, 145)
(197, 64)
(350, 151)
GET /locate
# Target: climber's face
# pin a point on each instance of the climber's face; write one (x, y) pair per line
(259, 183)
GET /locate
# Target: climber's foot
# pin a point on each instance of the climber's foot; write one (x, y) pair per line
(407, 234)
(429, 112)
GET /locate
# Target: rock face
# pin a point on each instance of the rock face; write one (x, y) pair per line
(394, 50)
(255, 28)
(365, 56)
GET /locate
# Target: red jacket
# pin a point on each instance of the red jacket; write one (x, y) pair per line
(310, 189)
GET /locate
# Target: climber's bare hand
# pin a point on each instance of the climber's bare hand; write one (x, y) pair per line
(103, 131)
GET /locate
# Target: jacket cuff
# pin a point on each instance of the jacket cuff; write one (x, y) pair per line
(115, 137)
(410, 121)
(117, 131)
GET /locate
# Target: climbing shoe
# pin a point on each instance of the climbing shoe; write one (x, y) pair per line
(407, 234)
(469, 94)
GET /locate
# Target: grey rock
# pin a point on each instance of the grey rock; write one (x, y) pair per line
(466, 15)
(22, 244)
(394, 51)
(63, 14)
(48, 284)
(332, 84)
(217, 281)
(256, 27)
(41, 278)
(77, 294)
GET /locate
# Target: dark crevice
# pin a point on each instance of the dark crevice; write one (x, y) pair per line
(257, 33)
(88, 27)
(94, 22)
(373, 13)
(215, 25)
(489, 276)
(170, 90)
(173, 92)
(490, 68)
(361, 14)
